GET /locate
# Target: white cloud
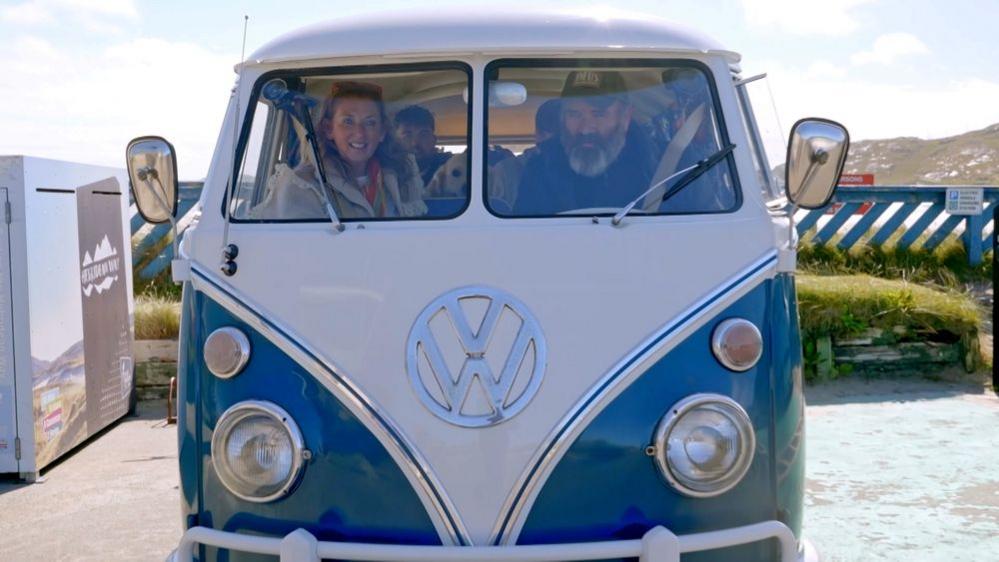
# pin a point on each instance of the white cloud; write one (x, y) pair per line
(872, 109)
(825, 69)
(85, 106)
(36, 48)
(805, 17)
(124, 8)
(45, 12)
(32, 56)
(889, 47)
(27, 13)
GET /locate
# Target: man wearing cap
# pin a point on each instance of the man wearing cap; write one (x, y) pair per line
(599, 159)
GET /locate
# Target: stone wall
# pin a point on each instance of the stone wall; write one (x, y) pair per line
(155, 365)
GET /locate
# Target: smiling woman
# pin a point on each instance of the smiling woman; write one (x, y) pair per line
(322, 145)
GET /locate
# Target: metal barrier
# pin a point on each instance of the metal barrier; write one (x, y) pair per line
(151, 247)
(918, 213)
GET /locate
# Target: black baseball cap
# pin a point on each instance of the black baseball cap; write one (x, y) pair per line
(598, 86)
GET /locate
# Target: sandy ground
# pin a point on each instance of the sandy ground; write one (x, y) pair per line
(897, 470)
(903, 470)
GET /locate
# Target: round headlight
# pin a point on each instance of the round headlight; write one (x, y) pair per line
(737, 344)
(704, 445)
(257, 451)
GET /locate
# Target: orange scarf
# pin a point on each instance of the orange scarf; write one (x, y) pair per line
(373, 192)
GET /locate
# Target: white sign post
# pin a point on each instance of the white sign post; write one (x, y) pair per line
(965, 200)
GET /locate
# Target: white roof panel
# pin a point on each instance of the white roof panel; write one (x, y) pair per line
(480, 31)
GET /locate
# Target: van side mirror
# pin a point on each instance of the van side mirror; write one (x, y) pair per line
(816, 154)
(152, 174)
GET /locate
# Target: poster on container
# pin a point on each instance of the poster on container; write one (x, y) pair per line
(107, 335)
(58, 377)
(81, 336)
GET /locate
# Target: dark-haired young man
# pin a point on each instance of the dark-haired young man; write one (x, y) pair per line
(415, 132)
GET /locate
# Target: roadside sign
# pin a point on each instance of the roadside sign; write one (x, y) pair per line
(965, 200)
(856, 180)
(853, 180)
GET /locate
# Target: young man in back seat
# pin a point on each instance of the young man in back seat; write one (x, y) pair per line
(415, 132)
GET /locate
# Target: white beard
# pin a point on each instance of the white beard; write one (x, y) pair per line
(591, 162)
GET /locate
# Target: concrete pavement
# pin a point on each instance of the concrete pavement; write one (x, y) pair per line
(113, 499)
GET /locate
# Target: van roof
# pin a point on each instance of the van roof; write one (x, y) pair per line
(457, 31)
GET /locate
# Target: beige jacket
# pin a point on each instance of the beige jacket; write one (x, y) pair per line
(294, 194)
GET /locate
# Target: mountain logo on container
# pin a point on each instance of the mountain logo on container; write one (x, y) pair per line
(100, 270)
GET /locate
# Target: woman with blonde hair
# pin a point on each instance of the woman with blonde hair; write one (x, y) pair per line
(368, 175)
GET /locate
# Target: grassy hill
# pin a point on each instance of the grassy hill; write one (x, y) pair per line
(970, 158)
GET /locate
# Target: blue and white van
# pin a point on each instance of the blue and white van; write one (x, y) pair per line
(562, 331)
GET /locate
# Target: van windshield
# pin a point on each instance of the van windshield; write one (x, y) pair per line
(588, 137)
(383, 144)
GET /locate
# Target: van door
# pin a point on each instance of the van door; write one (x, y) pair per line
(8, 384)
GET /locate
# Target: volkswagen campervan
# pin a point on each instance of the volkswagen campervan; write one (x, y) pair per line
(563, 328)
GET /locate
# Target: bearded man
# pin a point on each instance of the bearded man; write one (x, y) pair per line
(599, 159)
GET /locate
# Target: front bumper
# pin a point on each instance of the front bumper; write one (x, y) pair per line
(657, 545)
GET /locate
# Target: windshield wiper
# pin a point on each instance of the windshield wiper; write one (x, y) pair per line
(690, 173)
(297, 105)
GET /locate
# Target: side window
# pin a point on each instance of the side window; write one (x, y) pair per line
(589, 138)
(257, 162)
(370, 146)
(767, 140)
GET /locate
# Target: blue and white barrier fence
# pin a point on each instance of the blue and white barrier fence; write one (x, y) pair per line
(919, 214)
(151, 247)
(859, 214)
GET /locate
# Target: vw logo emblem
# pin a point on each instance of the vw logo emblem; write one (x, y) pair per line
(475, 356)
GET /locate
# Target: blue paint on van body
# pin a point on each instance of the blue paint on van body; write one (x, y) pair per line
(351, 490)
(607, 488)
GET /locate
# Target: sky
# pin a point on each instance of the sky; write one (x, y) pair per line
(80, 78)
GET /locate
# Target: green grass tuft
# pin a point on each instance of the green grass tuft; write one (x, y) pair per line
(947, 266)
(157, 317)
(845, 305)
(161, 286)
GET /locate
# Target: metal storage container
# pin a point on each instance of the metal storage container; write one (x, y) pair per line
(66, 309)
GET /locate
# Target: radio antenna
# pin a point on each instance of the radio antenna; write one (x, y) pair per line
(227, 263)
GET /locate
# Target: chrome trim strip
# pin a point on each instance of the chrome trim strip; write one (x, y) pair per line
(440, 508)
(618, 378)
